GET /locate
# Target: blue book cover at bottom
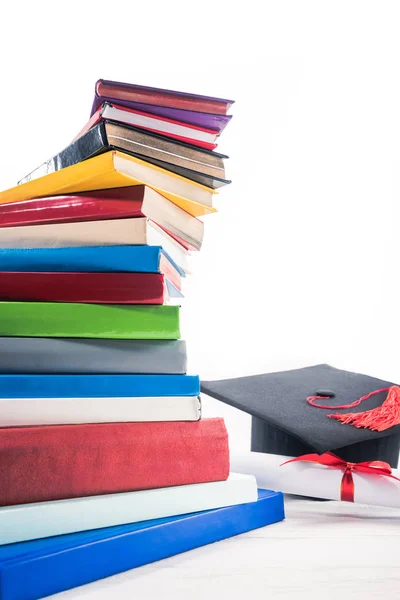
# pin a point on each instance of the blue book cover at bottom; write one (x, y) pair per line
(39, 568)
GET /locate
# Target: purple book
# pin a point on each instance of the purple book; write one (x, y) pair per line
(179, 112)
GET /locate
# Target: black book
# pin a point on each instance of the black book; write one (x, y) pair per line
(197, 164)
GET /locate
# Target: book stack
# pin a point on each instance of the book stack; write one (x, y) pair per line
(100, 425)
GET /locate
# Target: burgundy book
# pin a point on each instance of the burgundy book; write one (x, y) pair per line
(209, 120)
(115, 203)
(71, 461)
(89, 288)
(168, 98)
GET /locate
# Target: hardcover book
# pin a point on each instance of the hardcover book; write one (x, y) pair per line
(51, 319)
(74, 356)
(190, 117)
(123, 259)
(92, 288)
(198, 136)
(108, 458)
(118, 203)
(24, 522)
(26, 412)
(115, 232)
(35, 569)
(196, 164)
(97, 386)
(168, 98)
(116, 169)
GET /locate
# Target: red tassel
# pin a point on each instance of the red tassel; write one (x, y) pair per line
(378, 419)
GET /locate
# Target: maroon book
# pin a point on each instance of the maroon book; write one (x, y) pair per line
(115, 203)
(70, 461)
(91, 288)
(134, 93)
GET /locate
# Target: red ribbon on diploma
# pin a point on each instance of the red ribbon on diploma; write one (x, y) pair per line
(374, 467)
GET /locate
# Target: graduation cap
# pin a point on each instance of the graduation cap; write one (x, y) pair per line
(317, 409)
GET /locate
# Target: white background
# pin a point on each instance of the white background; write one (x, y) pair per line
(300, 266)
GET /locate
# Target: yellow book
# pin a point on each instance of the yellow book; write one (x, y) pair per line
(115, 169)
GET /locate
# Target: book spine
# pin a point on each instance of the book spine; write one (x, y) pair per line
(60, 517)
(97, 288)
(164, 98)
(114, 232)
(108, 458)
(57, 355)
(42, 574)
(24, 412)
(91, 143)
(67, 209)
(48, 319)
(94, 259)
(97, 386)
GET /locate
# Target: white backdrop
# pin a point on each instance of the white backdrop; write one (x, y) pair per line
(300, 266)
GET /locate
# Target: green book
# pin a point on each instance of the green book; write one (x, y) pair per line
(52, 319)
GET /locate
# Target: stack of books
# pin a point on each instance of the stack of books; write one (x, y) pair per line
(100, 426)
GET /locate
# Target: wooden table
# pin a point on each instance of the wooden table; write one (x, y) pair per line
(323, 550)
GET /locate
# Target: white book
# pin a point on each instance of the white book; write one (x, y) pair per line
(157, 124)
(24, 522)
(110, 232)
(17, 412)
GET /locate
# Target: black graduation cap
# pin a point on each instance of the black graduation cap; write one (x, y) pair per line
(285, 423)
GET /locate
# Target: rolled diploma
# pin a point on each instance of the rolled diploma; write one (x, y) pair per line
(310, 479)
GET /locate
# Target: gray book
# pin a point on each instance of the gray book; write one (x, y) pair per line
(56, 355)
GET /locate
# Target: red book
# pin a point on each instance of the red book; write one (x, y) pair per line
(70, 461)
(115, 203)
(160, 97)
(91, 288)
(190, 134)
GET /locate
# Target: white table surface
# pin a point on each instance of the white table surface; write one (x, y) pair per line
(323, 550)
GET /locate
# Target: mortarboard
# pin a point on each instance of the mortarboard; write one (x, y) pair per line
(285, 422)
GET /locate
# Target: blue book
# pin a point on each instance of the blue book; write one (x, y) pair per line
(31, 570)
(97, 386)
(106, 259)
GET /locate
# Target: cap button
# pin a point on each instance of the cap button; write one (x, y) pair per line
(327, 393)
